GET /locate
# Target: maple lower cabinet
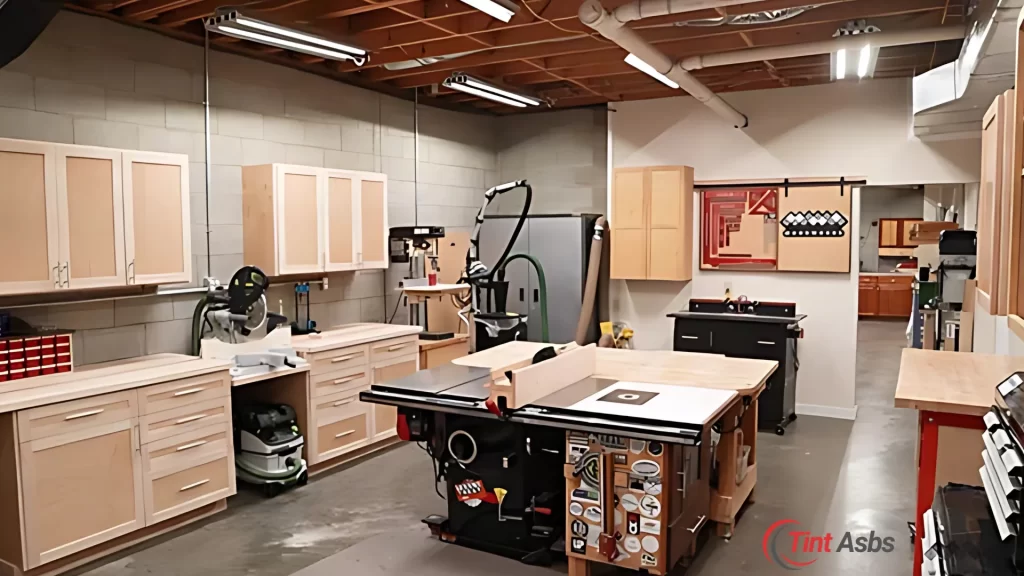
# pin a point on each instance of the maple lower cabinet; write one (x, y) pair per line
(652, 223)
(300, 219)
(157, 218)
(28, 202)
(91, 217)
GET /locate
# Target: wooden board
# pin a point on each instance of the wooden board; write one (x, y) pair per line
(436, 352)
(510, 354)
(442, 315)
(533, 382)
(815, 253)
(350, 335)
(950, 382)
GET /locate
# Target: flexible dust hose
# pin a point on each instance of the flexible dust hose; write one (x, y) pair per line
(197, 325)
(593, 273)
(543, 289)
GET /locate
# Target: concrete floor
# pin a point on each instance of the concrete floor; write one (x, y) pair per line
(828, 475)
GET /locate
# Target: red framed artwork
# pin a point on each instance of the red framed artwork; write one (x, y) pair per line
(739, 228)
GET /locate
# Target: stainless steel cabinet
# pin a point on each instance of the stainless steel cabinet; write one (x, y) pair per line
(562, 245)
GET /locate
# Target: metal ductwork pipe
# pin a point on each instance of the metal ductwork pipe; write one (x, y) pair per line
(593, 14)
(640, 9)
(852, 43)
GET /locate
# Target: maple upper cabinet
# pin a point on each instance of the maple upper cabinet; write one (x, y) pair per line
(157, 218)
(300, 220)
(28, 202)
(652, 223)
(90, 217)
(90, 208)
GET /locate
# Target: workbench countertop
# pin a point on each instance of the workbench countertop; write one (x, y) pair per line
(738, 317)
(351, 335)
(952, 382)
(104, 379)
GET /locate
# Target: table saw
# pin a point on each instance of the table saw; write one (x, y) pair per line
(534, 453)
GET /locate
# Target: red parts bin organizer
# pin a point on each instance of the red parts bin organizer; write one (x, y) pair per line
(35, 355)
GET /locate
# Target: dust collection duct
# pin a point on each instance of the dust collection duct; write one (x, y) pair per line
(21, 22)
(612, 26)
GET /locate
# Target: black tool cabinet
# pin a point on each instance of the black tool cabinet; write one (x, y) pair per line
(767, 332)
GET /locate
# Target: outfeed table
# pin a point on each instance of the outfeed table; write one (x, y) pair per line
(952, 391)
(746, 377)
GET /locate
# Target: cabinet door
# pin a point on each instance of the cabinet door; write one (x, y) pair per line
(867, 300)
(157, 219)
(91, 214)
(340, 222)
(80, 489)
(671, 222)
(298, 220)
(385, 418)
(889, 300)
(906, 226)
(629, 233)
(888, 236)
(373, 221)
(29, 233)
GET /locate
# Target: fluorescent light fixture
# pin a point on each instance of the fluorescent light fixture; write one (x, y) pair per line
(231, 23)
(841, 64)
(865, 59)
(301, 36)
(477, 87)
(484, 94)
(492, 8)
(646, 68)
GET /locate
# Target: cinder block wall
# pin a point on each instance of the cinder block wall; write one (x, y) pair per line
(563, 154)
(94, 82)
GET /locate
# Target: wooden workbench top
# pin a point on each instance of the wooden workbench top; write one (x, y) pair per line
(952, 382)
(104, 379)
(434, 344)
(745, 376)
(351, 335)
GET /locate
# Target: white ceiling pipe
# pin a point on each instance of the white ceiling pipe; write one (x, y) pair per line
(639, 9)
(851, 43)
(593, 14)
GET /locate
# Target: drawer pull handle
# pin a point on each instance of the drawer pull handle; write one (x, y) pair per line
(349, 379)
(397, 347)
(345, 433)
(188, 392)
(766, 342)
(188, 446)
(194, 485)
(190, 418)
(84, 414)
(686, 337)
(696, 526)
(343, 402)
(343, 358)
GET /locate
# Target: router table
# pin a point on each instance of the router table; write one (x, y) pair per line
(611, 449)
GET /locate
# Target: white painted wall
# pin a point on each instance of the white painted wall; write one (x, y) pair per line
(821, 131)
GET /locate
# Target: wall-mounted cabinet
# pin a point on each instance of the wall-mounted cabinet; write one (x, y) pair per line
(302, 220)
(652, 223)
(86, 217)
(895, 233)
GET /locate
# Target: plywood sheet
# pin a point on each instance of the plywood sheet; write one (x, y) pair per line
(815, 248)
(442, 315)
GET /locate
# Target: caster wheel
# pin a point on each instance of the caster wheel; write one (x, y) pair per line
(792, 417)
(303, 479)
(780, 431)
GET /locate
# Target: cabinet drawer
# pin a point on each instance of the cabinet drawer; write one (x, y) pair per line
(76, 415)
(342, 434)
(188, 489)
(169, 423)
(330, 409)
(868, 279)
(184, 392)
(394, 348)
(342, 358)
(177, 453)
(340, 381)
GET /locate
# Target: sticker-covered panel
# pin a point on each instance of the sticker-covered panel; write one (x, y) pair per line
(616, 507)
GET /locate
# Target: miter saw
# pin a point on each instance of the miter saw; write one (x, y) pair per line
(268, 442)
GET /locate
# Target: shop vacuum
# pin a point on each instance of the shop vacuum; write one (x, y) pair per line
(268, 447)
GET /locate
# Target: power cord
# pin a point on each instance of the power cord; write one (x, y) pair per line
(395, 311)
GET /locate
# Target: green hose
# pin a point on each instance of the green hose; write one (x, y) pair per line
(543, 290)
(197, 324)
